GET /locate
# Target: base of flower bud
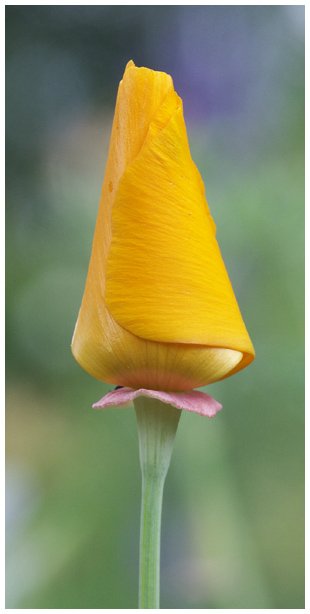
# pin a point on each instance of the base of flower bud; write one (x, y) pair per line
(193, 400)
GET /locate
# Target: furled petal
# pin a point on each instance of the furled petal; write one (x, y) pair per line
(166, 280)
(193, 400)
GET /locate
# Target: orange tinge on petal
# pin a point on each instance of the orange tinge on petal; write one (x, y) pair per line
(158, 309)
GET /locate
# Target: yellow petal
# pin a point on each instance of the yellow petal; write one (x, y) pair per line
(118, 357)
(166, 280)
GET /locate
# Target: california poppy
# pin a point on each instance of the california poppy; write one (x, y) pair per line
(158, 311)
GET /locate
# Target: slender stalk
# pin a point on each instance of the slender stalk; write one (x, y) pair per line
(157, 426)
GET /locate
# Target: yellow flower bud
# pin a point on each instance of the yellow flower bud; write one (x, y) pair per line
(158, 309)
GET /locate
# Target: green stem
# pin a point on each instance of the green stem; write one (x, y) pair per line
(157, 425)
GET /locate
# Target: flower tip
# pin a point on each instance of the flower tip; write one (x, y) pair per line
(130, 64)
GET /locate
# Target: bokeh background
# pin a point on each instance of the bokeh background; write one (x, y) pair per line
(233, 518)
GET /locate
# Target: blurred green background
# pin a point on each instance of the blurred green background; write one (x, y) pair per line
(233, 518)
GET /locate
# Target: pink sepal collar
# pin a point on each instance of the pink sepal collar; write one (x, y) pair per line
(193, 400)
